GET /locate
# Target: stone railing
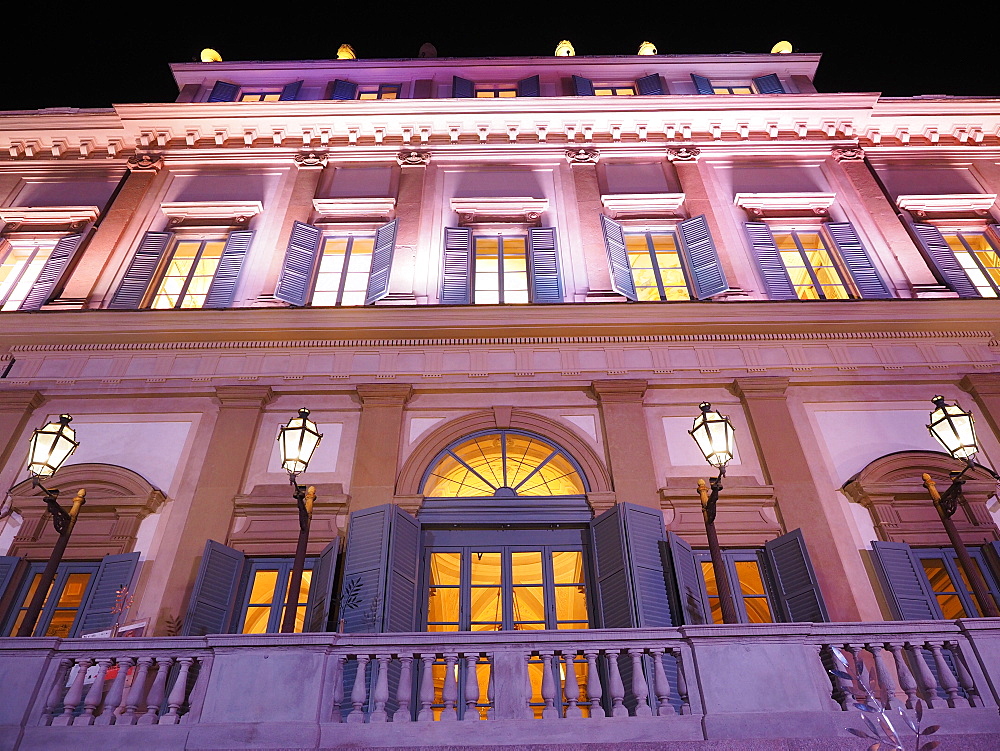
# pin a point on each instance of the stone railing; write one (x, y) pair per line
(324, 690)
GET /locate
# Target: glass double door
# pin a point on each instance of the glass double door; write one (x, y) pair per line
(506, 588)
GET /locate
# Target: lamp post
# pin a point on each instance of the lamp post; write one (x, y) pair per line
(954, 429)
(298, 440)
(715, 437)
(49, 447)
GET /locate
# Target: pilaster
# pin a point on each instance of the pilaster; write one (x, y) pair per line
(409, 200)
(627, 439)
(822, 516)
(16, 408)
(583, 164)
(376, 455)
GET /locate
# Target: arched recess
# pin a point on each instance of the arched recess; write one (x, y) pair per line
(117, 501)
(599, 496)
(891, 488)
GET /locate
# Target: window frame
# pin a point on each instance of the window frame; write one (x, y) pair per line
(19, 602)
(729, 559)
(793, 227)
(330, 232)
(647, 228)
(954, 570)
(9, 245)
(486, 232)
(380, 90)
(161, 274)
(979, 228)
(283, 565)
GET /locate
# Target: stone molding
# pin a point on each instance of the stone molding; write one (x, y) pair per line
(583, 156)
(642, 205)
(981, 384)
(947, 203)
(118, 499)
(20, 400)
(892, 490)
(266, 522)
(517, 209)
(384, 394)
(620, 390)
(74, 217)
(778, 204)
(231, 212)
(848, 154)
(683, 153)
(341, 209)
(748, 513)
(311, 160)
(144, 162)
(767, 387)
(413, 158)
(247, 397)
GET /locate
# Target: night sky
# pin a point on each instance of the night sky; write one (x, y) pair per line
(102, 57)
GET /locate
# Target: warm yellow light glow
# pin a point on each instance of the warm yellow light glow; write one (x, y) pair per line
(565, 49)
(297, 441)
(50, 446)
(953, 428)
(208, 55)
(647, 48)
(346, 52)
(713, 432)
(782, 48)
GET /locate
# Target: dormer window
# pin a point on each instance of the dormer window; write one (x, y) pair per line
(463, 88)
(647, 85)
(224, 91)
(769, 84)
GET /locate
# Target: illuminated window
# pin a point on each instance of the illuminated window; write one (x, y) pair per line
(656, 266)
(502, 464)
(63, 602)
(601, 89)
(948, 581)
(344, 267)
(494, 91)
(188, 273)
(500, 269)
(746, 571)
(977, 255)
(265, 593)
(21, 261)
(380, 91)
(733, 88)
(260, 96)
(811, 265)
(767, 84)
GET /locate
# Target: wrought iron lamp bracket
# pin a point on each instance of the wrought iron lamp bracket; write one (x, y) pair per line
(60, 516)
(713, 498)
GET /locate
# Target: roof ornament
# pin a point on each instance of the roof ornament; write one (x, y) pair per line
(427, 50)
(647, 48)
(782, 48)
(565, 49)
(208, 55)
(346, 52)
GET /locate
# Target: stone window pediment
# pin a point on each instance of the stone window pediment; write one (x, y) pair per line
(514, 209)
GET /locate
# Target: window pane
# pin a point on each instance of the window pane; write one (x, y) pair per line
(19, 270)
(358, 270)
(571, 605)
(72, 593)
(485, 569)
(567, 567)
(445, 569)
(442, 605)
(754, 594)
(331, 266)
(943, 587)
(526, 567)
(487, 607)
(262, 589)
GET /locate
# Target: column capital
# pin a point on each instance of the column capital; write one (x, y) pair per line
(762, 387)
(384, 394)
(683, 154)
(145, 163)
(256, 397)
(413, 158)
(20, 400)
(311, 160)
(981, 384)
(620, 390)
(582, 156)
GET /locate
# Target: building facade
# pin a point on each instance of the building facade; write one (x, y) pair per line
(502, 287)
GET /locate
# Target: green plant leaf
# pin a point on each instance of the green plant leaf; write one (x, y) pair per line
(931, 729)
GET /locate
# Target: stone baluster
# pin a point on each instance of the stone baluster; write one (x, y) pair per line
(449, 694)
(54, 702)
(947, 678)
(640, 689)
(903, 674)
(548, 687)
(404, 690)
(529, 690)
(661, 685)
(135, 692)
(75, 694)
(471, 688)
(571, 689)
(491, 689)
(154, 698)
(615, 685)
(682, 686)
(359, 692)
(964, 676)
(196, 697)
(338, 687)
(426, 714)
(843, 688)
(114, 702)
(925, 678)
(178, 692)
(96, 693)
(594, 691)
(886, 688)
(380, 694)
(860, 695)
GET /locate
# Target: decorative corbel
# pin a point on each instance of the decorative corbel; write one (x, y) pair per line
(583, 156)
(142, 162)
(311, 160)
(683, 153)
(848, 154)
(413, 158)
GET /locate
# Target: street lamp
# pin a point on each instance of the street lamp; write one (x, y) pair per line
(298, 440)
(715, 437)
(48, 448)
(954, 429)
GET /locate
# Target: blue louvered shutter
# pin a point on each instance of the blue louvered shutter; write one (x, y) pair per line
(621, 272)
(290, 91)
(798, 591)
(211, 605)
(905, 583)
(701, 258)
(684, 571)
(115, 572)
(529, 87)
(381, 569)
(583, 86)
(223, 91)
(10, 573)
(55, 265)
(858, 261)
(776, 280)
(456, 277)
(651, 84)
(462, 88)
(296, 280)
(321, 588)
(543, 264)
(768, 84)
(222, 291)
(942, 259)
(341, 89)
(702, 85)
(140, 271)
(378, 279)
(631, 583)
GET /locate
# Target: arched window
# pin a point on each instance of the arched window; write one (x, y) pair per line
(503, 464)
